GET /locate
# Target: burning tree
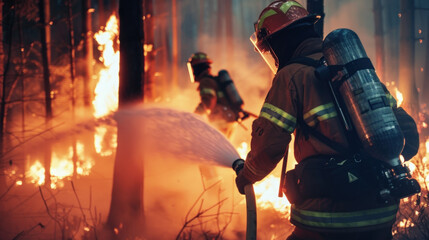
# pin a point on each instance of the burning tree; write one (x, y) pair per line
(126, 210)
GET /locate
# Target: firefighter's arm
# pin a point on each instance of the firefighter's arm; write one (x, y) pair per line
(411, 135)
(208, 93)
(271, 133)
(408, 127)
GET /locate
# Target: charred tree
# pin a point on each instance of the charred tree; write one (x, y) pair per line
(229, 29)
(72, 54)
(407, 81)
(316, 7)
(175, 44)
(379, 39)
(72, 62)
(126, 208)
(87, 51)
(425, 95)
(45, 34)
(100, 12)
(3, 71)
(149, 50)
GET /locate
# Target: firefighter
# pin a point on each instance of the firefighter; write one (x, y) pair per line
(296, 99)
(222, 111)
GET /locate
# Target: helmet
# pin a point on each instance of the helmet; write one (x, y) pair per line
(280, 15)
(198, 58)
(195, 61)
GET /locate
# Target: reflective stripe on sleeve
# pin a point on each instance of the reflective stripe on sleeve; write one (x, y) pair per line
(320, 113)
(220, 94)
(344, 219)
(278, 117)
(209, 91)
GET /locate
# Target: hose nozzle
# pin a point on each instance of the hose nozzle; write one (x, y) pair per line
(237, 165)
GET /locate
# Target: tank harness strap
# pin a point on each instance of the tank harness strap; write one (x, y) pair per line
(310, 130)
(350, 69)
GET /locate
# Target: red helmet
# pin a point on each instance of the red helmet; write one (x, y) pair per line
(198, 58)
(277, 16)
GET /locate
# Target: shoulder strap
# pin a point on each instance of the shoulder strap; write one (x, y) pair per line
(310, 130)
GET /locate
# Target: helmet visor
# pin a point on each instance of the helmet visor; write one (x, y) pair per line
(191, 72)
(266, 55)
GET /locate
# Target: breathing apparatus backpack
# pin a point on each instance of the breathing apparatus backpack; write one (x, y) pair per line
(228, 88)
(364, 110)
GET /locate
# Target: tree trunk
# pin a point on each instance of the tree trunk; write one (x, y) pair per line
(316, 7)
(379, 39)
(100, 13)
(21, 70)
(149, 21)
(229, 24)
(46, 53)
(425, 92)
(88, 52)
(175, 44)
(407, 82)
(3, 185)
(72, 54)
(126, 208)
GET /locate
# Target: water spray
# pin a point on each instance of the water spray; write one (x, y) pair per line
(185, 135)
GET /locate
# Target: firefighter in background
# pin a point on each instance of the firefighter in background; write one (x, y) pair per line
(296, 99)
(220, 100)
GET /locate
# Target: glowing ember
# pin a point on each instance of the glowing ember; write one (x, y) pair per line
(399, 97)
(106, 91)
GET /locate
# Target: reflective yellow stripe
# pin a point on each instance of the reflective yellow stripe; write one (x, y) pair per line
(344, 219)
(284, 8)
(278, 117)
(392, 100)
(220, 94)
(287, 5)
(320, 113)
(209, 91)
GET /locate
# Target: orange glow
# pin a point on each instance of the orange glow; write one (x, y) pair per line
(106, 91)
(243, 150)
(267, 195)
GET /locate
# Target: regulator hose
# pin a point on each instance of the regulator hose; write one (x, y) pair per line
(237, 165)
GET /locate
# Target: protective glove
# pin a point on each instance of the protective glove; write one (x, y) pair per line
(240, 180)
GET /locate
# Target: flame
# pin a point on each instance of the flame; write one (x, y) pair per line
(399, 97)
(61, 167)
(106, 91)
(243, 150)
(267, 194)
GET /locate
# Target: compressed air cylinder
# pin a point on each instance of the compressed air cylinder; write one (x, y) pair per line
(229, 88)
(364, 98)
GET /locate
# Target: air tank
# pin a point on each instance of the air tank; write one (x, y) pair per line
(364, 97)
(230, 90)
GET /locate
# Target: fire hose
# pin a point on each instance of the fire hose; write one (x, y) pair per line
(237, 165)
